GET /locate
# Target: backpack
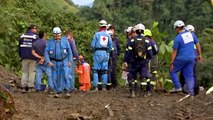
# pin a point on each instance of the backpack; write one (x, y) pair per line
(140, 47)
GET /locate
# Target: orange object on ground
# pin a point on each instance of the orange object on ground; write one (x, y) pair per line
(84, 76)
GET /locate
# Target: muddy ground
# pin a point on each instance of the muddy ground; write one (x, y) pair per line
(91, 106)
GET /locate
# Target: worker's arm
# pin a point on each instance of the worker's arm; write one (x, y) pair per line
(173, 56)
(36, 55)
(79, 70)
(199, 57)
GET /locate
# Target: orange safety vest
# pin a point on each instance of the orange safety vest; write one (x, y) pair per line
(84, 73)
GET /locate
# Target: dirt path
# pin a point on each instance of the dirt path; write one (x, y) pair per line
(91, 106)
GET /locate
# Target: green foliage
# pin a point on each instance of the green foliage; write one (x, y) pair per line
(17, 15)
(204, 71)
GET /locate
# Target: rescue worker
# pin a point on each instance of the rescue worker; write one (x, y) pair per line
(112, 62)
(153, 66)
(114, 55)
(27, 59)
(130, 33)
(139, 63)
(58, 56)
(71, 40)
(83, 70)
(101, 46)
(183, 57)
(182, 79)
(38, 49)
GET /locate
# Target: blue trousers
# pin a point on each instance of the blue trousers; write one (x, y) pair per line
(61, 77)
(186, 67)
(140, 67)
(101, 59)
(72, 71)
(40, 69)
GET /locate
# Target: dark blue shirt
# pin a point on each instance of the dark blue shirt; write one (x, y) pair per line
(39, 47)
(25, 45)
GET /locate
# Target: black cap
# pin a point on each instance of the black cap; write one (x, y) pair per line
(31, 26)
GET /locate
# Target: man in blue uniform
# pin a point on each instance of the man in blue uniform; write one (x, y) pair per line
(183, 57)
(101, 46)
(113, 57)
(142, 51)
(153, 64)
(58, 55)
(28, 60)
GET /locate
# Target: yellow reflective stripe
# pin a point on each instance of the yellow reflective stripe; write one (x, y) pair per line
(147, 41)
(99, 83)
(149, 48)
(135, 81)
(144, 57)
(126, 49)
(109, 83)
(143, 83)
(139, 39)
(195, 47)
(132, 40)
(155, 71)
(129, 48)
(113, 48)
(153, 83)
(147, 80)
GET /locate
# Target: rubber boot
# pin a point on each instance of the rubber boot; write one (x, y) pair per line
(148, 89)
(136, 89)
(132, 91)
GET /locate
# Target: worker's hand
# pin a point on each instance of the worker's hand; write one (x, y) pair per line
(50, 64)
(69, 64)
(199, 58)
(125, 64)
(171, 67)
(41, 61)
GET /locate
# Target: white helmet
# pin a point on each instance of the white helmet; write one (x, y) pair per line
(109, 25)
(129, 29)
(103, 23)
(110, 32)
(190, 28)
(140, 26)
(56, 30)
(179, 23)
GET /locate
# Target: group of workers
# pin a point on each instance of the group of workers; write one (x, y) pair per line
(57, 57)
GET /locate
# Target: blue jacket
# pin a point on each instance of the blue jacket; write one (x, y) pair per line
(25, 45)
(116, 41)
(58, 50)
(155, 49)
(131, 55)
(184, 44)
(101, 40)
